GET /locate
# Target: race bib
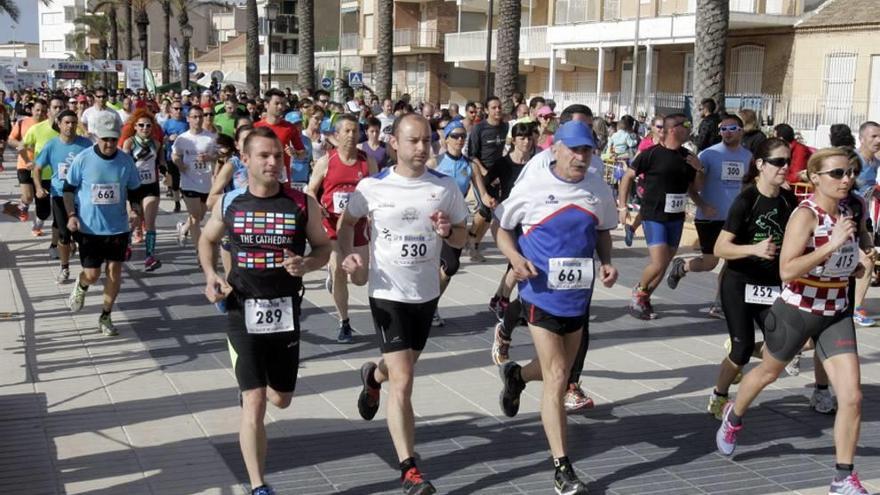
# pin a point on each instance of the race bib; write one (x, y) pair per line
(340, 201)
(147, 176)
(262, 316)
(202, 166)
(762, 294)
(413, 252)
(105, 194)
(570, 273)
(732, 171)
(62, 170)
(300, 186)
(675, 203)
(842, 262)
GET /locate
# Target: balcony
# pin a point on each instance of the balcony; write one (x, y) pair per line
(282, 63)
(471, 46)
(414, 38)
(350, 42)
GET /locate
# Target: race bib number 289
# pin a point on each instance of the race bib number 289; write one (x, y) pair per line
(269, 315)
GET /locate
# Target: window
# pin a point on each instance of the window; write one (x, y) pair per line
(51, 18)
(688, 88)
(53, 45)
(746, 70)
(840, 77)
(369, 24)
(290, 46)
(288, 7)
(585, 82)
(561, 11)
(69, 14)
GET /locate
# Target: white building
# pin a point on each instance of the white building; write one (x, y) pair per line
(56, 26)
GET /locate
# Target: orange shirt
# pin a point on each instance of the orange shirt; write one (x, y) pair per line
(18, 132)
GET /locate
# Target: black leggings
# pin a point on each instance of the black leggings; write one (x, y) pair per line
(44, 205)
(175, 176)
(741, 317)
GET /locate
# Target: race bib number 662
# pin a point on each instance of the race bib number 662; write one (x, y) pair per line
(105, 194)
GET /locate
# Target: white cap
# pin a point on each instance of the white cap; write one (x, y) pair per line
(185, 92)
(353, 106)
(207, 92)
(106, 125)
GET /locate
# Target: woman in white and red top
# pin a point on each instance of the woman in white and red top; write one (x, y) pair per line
(820, 251)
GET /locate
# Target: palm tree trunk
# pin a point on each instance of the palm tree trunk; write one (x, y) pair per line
(143, 24)
(183, 20)
(114, 41)
(129, 29)
(384, 48)
(166, 46)
(710, 47)
(507, 52)
(252, 48)
(306, 13)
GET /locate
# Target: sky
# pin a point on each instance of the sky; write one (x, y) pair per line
(27, 27)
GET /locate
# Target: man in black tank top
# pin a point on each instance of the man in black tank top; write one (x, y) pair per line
(268, 227)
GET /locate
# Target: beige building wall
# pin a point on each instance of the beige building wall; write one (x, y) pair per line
(807, 68)
(777, 55)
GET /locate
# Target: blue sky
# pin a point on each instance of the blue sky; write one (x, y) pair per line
(27, 27)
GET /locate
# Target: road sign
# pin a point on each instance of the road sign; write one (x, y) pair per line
(356, 79)
(327, 83)
(192, 67)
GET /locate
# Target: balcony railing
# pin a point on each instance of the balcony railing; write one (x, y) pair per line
(281, 63)
(581, 11)
(350, 41)
(471, 46)
(417, 38)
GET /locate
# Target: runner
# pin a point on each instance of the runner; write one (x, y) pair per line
(34, 141)
(194, 152)
(412, 211)
(57, 156)
(819, 254)
(25, 157)
(553, 260)
(288, 134)
(300, 163)
(749, 242)
(373, 147)
(174, 127)
(148, 157)
(333, 180)
(670, 171)
(263, 289)
(95, 192)
(724, 166)
(99, 106)
(869, 146)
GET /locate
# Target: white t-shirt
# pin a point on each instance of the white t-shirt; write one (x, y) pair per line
(197, 175)
(542, 161)
(404, 249)
(387, 122)
(92, 113)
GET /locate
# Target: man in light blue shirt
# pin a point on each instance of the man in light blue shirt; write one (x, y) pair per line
(95, 195)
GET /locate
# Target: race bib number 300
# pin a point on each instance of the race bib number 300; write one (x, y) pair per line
(570, 273)
(105, 194)
(263, 316)
(762, 294)
(675, 203)
(732, 171)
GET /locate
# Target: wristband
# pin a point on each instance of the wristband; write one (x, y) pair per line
(447, 236)
(71, 215)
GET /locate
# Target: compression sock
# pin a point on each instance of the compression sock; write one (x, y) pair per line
(150, 242)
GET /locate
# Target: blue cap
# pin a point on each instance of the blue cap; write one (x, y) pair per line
(455, 124)
(574, 134)
(294, 117)
(327, 125)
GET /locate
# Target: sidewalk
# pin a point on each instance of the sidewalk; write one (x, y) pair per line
(155, 410)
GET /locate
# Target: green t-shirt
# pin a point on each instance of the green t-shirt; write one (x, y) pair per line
(226, 124)
(37, 137)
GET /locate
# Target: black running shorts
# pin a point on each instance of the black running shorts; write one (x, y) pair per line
(94, 250)
(787, 329)
(402, 326)
(560, 325)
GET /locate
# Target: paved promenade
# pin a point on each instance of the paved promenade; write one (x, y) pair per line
(155, 410)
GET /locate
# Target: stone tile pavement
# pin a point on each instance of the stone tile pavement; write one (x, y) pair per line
(155, 410)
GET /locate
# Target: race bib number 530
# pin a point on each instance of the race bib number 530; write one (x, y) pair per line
(105, 194)
(570, 273)
(269, 315)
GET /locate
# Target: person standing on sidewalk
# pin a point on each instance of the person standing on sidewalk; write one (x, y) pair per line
(268, 227)
(95, 195)
(412, 211)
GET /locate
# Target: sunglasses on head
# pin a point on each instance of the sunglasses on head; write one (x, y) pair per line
(778, 161)
(684, 123)
(839, 173)
(728, 128)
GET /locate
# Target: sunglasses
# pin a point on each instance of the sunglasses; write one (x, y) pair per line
(686, 124)
(728, 128)
(778, 161)
(100, 96)
(658, 126)
(144, 126)
(457, 135)
(109, 139)
(209, 115)
(176, 108)
(839, 173)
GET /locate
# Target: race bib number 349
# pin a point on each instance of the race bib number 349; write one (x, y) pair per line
(675, 203)
(105, 194)
(269, 315)
(570, 273)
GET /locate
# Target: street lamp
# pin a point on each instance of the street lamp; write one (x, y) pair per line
(187, 32)
(143, 22)
(271, 15)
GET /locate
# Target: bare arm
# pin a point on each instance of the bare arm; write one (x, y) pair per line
(726, 249)
(457, 236)
(317, 237)
(793, 263)
(221, 180)
(317, 177)
(212, 232)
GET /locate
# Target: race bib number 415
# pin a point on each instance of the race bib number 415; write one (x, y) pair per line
(570, 273)
(105, 194)
(269, 315)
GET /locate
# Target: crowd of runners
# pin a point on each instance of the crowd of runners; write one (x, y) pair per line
(391, 195)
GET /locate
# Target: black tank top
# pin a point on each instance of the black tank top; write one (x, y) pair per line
(259, 230)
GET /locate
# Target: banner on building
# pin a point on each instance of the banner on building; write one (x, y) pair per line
(134, 74)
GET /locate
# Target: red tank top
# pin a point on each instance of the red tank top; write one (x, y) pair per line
(341, 179)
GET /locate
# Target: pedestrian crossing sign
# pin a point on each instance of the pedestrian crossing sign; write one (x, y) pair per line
(356, 79)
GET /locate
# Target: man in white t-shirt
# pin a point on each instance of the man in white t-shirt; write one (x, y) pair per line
(99, 106)
(542, 160)
(412, 211)
(194, 152)
(387, 120)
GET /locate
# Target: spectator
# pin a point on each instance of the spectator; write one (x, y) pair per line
(800, 154)
(753, 136)
(707, 134)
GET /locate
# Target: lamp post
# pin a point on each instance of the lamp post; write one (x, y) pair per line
(187, 32)
(486, 87)
(271, 15)
(143, 22)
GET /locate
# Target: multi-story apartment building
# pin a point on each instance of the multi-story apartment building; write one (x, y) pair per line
(56, 26)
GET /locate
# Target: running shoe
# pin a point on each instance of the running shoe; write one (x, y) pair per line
(640, 307)
(415, 484)
(793, 368)
(53, 252)
(263, 490)
(37, 228)
(77, 298)
(344, 336)
(823, 402)
(716, 404)
(851, 485)
(63, 276)
(151, 264)
(628, 234)
(137, 236)
(368, 400)
(500, 346)
(23, 215)
(512, 388)
(715, 311)
(861, 318)
(566, 482)
(576, 399)
(105, 325)
(181, 234)
(725, 438)
(676, 273)
(437, 320)
(474, 253)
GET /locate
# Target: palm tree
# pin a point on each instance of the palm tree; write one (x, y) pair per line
(306, 14)
(507, 52)
(252, 48)
(108, 8)
(710, 46)
(183, 22)
(9, 8)
(143, 23)
(87, 27)
(384, 48)
(166, 45)
(129, 28)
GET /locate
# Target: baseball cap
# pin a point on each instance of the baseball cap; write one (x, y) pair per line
(544, 111)
(294, 117)
(82, 98)
(207, 92)
(353, 107)
(185, 92)
(574, 134)
(455, 124)
(105, 126)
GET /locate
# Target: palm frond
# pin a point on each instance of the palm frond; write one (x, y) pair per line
(9, 8)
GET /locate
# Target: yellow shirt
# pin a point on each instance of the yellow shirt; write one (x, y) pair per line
(36, 138)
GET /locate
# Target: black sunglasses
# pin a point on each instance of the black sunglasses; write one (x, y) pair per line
(839, 173)
(778, 161)
(457, 135)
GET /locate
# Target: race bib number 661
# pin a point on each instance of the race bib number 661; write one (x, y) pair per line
(570, 273)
